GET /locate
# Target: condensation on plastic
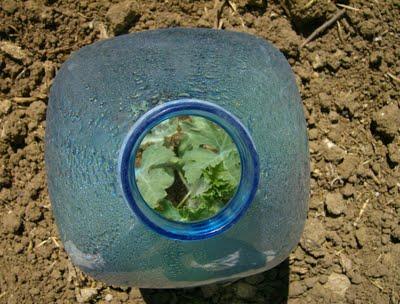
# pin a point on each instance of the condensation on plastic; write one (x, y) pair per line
(99, 94)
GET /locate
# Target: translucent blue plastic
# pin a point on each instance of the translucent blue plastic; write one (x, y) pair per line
(237, 205)
(109, 94)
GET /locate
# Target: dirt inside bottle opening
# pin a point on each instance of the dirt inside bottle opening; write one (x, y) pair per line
(187, 168)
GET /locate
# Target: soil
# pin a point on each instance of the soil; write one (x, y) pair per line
(349, 81)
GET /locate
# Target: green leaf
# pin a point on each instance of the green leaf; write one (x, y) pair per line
(221, 190)
(168, 210)
(195, 161)
(196, 190)
(200, 131)
(152, 180)
(160, 132)
(232, 168)
(205, 144)
(203, 210)
(199, 187)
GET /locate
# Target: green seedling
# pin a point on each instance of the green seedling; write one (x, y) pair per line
(187, 168)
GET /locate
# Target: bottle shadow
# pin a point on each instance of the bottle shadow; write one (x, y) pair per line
(271, 286)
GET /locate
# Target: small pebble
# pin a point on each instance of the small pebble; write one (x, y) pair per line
(347, 191)
(323, 279)
(9, 6)
(37, 110)
(348, 166)
(11, 222)
(122, 15)
(314, 236)
(338, 284)
(362, 236)
(386, 121)
(356, 278)
(310, 282)
(297, 288)
(335, 204)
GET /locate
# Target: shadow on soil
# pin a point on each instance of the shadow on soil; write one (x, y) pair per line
(271, 286)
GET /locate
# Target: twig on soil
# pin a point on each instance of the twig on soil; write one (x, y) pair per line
(26, 100)
(71, 272)
(20, 74)
(59, 50)
(51, 265)
(339, 27)
(54, 239)
(69, 13)
(102, 31)
(13, 28)
(376, 285)
(397, 79)
(234, 9)
(232, 5)
(30, 247)
(348, 7)
(339, 252)
(43, 242)
(219, 6)
(346, 26)
(323, 27)
(337, 178)
(220, 24)
(82, 15)
(364, 206)
(3, 294)
(46, 206)
(373, 176)
(333, 173)
(309, 4)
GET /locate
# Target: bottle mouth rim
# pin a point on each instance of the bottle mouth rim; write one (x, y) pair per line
(232, 211)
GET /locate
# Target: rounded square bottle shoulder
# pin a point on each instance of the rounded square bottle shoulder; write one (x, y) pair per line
(105, 88)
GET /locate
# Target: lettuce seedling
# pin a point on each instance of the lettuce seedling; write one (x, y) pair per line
(187, 168)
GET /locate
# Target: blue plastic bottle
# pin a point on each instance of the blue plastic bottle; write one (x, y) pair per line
(104, 100)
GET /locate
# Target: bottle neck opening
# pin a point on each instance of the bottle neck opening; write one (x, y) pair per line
(233, 210)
